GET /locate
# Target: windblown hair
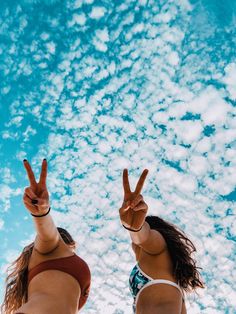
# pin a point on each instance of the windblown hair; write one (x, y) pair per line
(16, 293)
(180, 249)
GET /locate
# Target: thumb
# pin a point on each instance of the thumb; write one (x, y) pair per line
(40, 201)
(125, 206)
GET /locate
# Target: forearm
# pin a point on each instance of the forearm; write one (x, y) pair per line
(45, 227)
(142, 235)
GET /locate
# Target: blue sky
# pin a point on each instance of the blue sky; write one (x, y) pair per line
(97, 86)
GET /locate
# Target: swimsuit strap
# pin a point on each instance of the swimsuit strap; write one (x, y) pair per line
(167, 282)
(159, 281)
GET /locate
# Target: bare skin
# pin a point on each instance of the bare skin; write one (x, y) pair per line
(151, 254)
(52, 291)
(160, 298)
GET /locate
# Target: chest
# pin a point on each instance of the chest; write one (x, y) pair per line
(45, 305)
(61, 285)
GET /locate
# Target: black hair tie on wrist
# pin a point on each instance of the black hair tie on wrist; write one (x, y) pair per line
(133, 230)
(43, 214)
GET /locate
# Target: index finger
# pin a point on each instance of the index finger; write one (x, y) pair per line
(126, 185)
(30, 173)
(43, 174)
(140, 183)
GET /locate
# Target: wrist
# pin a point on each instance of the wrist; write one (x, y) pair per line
(131, 229)
(141, 236)
(43, 215)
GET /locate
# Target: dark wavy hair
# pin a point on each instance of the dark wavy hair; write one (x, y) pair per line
(180, 249)
(16, 293)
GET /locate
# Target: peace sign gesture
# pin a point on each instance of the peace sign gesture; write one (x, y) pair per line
(134, 209)
(36, 198)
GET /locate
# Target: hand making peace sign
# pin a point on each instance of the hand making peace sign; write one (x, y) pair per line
(36, 198)
(134, 209)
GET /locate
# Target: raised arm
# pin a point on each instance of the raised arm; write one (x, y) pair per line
(36, 200)
(132, 216)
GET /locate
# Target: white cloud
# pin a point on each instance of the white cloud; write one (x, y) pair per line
(79, 19)
(51, 47)
(173, 58)
(138, 28)
(186, 131)
(99, 45)
(198, 165)
(97, 12)
(45, 36)
(28, 133)
(229, 79)
(7, 176)
(102, 34)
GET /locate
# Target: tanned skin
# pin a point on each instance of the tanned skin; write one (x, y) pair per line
(52, 291)
(151, 254)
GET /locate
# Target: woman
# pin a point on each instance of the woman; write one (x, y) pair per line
(48, 277)
(165, 268)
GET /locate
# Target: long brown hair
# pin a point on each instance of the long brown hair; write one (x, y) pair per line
(16, 293)
(180, 249)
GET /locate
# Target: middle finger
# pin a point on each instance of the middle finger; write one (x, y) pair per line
(141, 181)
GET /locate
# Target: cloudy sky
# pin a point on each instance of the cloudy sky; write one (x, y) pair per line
(97, 86)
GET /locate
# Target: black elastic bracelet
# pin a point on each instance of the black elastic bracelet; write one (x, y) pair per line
(133, 230)
(43, 214)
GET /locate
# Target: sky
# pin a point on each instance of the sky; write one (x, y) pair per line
(99, 86)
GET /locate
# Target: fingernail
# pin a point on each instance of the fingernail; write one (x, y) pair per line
(45, 159)
(34, 202)
(25, 160)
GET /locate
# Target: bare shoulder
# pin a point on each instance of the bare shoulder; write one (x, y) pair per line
(60, 249)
